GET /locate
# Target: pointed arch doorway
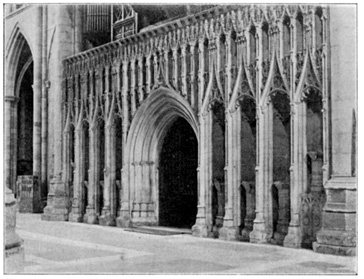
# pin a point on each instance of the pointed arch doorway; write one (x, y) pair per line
(178, 176)
(23, 123)
(161, 158)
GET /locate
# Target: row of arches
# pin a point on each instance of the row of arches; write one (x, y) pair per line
(277, 190)
(139, 197)
(113, 172)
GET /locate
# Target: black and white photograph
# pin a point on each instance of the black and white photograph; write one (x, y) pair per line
(168, 138)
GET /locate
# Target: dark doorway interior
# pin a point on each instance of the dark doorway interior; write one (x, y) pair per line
(178, 177)
(25, 125)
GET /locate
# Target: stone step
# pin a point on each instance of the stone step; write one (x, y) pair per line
(158, 230)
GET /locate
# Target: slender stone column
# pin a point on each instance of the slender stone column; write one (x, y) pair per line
(79, 174)
(229, 231)
(97, 134)
(10, 178)
(148, 81)
(140, 80)
(183, 72)
(44, 147)
(67, 169)
(259, 233)
(201, 228)
(155, 68)
(175, 61)
(124, 214)
(297, 169)
(108, 211)
(293, 238)
(14, 151)
(268, 175)
(37, 109)
(94, 160)
(132, 87)
(194, 95)
(108, 215)
(164, 57)
(79, 171)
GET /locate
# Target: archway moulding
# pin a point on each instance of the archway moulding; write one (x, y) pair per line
(13, 51)
(145, 139)
(151, 121)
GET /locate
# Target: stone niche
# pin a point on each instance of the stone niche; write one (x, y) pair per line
(28, 195)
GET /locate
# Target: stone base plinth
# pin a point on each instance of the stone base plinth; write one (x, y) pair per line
(107, 219)
(335, 242)
(143, 213)
(280, 234)
(90, 217)
(200, 230)
(245, 234)
(57, 202)
(75, 217)
(228, 233)
(293, 238)
(334, 250)
(14, 253)
(123, 221)
(14, 260)
(258, 235)
(143, 221)
(338, 233)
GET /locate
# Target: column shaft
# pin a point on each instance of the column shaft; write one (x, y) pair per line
(44, 174)
(37, 89)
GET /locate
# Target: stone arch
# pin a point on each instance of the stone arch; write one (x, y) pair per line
(15, 70)
(15, 45)
(144, 142)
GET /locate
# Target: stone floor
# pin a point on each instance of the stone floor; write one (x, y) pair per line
(74, 248)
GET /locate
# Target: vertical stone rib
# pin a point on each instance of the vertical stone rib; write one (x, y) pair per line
(125, 103)
(44, 146)
(155, 66)
(79, 172)
(66, 175)
(124, 213)
(201, 69)
(108, 211)
(94, 161)
(165, 71)
(175, 68)
(140, 80)
(8, 112)
(201, 226)
(228, 132)
(184, 72)
(298, 172)
(14, 137)
(37, 89)
(193, 94)
(148, 81)
(132, 86)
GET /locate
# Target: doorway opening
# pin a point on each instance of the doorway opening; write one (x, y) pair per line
(25, 125)
(178, 176)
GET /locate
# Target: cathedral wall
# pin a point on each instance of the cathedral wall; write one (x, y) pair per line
(343, 84)
(26, 20)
